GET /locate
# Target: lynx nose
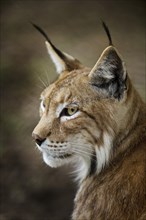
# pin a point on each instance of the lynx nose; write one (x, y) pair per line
(38, 139)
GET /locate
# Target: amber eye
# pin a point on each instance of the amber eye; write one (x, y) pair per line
(69, 111)
(72, 110)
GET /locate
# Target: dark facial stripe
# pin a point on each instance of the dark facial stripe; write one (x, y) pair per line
(98, 124)
(93, 164)
(94, 138)
(93, 158)
(91, 117)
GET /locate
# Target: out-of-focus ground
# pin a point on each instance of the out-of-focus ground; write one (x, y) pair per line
(29, 189)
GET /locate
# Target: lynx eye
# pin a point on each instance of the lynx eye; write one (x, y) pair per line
(42, 105)
(69, 111)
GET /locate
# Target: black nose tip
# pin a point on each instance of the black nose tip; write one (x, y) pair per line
(38, 139)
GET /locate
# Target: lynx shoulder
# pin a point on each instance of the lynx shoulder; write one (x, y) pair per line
(95, 119)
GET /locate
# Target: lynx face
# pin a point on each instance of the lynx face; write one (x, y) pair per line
(82, 111)
(62, 127)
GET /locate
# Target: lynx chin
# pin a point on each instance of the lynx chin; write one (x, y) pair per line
(95, 118)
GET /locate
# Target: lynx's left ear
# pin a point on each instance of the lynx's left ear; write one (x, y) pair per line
(63, 61)
(109, 74)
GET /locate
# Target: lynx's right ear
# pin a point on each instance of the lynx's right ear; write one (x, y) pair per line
(63, 61)
(109, 74)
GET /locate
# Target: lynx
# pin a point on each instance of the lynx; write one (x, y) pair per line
(96, 120)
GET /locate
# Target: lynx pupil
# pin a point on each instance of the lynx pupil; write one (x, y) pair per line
(71, 111)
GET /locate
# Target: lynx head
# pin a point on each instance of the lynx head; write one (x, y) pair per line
(82, 111)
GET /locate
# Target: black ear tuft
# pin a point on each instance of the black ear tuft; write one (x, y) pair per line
(109, 74)
(107, 32)
(41, 31)
(63, 61)
(60, 54)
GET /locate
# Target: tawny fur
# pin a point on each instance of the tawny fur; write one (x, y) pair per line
(110, 125)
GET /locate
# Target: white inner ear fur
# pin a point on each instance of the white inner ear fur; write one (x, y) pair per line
(59, 63)
(69, 56)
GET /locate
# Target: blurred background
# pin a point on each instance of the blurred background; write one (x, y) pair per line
(29, 189)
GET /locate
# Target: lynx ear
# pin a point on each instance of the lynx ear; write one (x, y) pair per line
(109, 73)
(63, 61)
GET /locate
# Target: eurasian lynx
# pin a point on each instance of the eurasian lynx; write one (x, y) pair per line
(96, 119)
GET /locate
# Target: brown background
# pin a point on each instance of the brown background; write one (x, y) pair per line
(29, 189)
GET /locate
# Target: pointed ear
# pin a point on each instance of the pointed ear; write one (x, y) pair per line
(63, 61)
(109, 73)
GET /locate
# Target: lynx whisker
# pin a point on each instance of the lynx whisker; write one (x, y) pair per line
(82, 153)
(44, 84)
(40, 87)
(83, 146)
(47, 78)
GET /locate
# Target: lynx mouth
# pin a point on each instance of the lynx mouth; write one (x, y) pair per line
(64, 156)
(55, 154)
(56, 160)
(58, 155)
